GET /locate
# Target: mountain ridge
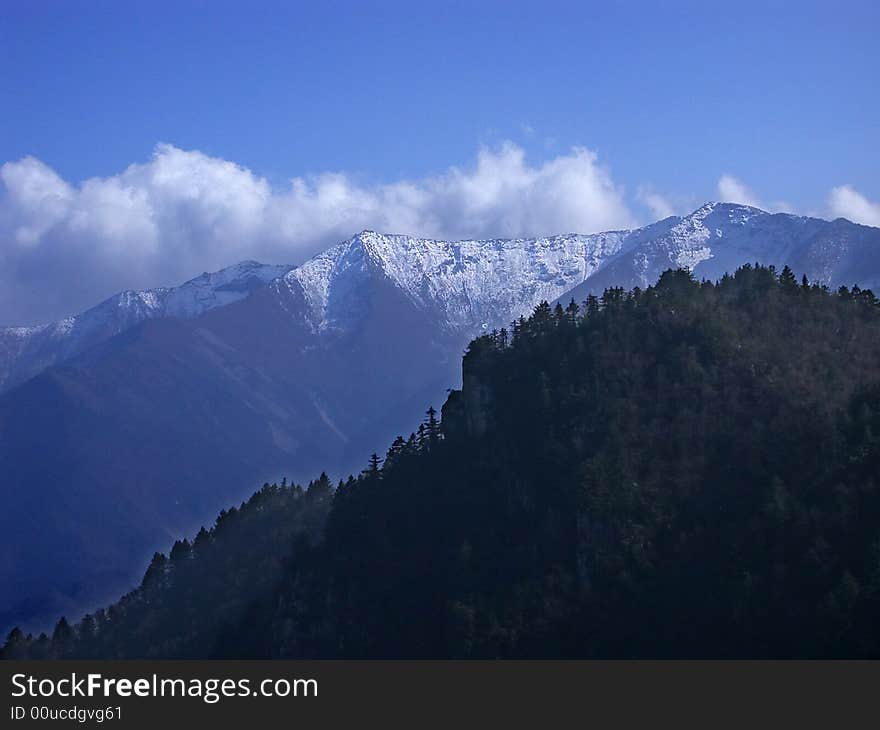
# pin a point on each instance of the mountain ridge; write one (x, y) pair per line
(470, 279)
(311, 370)
(26, 351)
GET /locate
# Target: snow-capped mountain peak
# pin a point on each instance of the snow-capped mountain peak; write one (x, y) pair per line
(484, 282)
(719, 237)
(688, 243)
(468, 286)
(219, 288)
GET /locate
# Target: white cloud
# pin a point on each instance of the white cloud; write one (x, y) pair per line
(733, 190)
(660, 206)
(64, 247)
(846, 202)
(843, 202)
(35, 200)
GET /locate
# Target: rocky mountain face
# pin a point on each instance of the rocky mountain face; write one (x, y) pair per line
(132, 424)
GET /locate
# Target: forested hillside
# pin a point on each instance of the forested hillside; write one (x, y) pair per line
(191, 598)
(690, 470)
(148, 413)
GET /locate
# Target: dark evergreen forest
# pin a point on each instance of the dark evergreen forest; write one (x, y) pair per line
(690, 470)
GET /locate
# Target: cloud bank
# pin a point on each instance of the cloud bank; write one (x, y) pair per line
(660, 205)
(844, 202)
(64, 247)
(733, 190)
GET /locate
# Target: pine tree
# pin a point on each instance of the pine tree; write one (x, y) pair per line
(395, 451)
(591, 306)
(788, 279)
(558, 313)
(181, 550)
(203, 538)
(542, 318)
(320, 488)
(156, 570)
(87, 628)
(62, 636)
(374, 467)
(14, 641)
(432, 428)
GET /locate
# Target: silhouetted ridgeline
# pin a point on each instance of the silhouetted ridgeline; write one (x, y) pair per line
(688, 470)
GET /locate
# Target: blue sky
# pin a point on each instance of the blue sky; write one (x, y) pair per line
(782, 94)
(664, 99)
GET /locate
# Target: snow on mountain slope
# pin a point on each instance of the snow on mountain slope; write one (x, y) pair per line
(470, 284)
(218, 288)
(717, 238)
(715, 230)
(25, 351)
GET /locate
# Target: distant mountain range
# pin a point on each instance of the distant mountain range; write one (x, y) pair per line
(134, 422)
(26, 351)
(718, 237)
